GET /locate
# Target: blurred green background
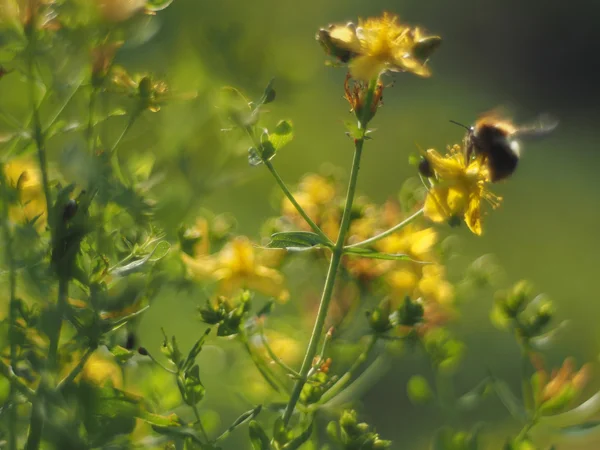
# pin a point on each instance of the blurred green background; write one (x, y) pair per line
(533, 57)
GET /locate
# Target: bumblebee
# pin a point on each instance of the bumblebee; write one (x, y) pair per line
(498, 140)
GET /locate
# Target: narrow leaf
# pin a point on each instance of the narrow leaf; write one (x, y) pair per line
(510, 401)
(368, 253)
(576, 415)
(258, 437)
(296, 240)
(475, 396)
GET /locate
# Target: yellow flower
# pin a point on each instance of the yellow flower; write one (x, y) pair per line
(379, 44)
(101, 368)
(433, 285)
(24, 175)
(460, 188)
(235, 267)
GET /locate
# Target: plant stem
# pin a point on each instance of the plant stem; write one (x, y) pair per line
(63, 294)
(90, 125)
(293, 201)
(38, 132)
(12, 306)
(264, 370)
(114, 158)
(199, 421)
(392, 230)
(276, 358)
(336, 257)
(341, 383)
(76, 370)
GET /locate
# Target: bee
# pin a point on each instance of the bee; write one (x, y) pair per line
(498, 140)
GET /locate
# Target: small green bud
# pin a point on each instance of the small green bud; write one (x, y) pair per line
(410, 313)
(379, 318)
(381, 445)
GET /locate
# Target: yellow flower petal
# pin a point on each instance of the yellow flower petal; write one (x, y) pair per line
(435, 204)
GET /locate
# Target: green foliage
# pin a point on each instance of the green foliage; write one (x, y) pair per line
(103, 211)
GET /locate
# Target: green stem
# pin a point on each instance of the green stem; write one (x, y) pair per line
(114, 158)
(392, 230)
(276, 358)
(343, 381)
(38, 132)
(90, 125)
(336, 258)
(260, 365)
(293, 201)
(328, 288)
(250, 132)
(12, 306)
(63, 294)
(66, 381)
(527, 428)
(16, 382)
(199, 422)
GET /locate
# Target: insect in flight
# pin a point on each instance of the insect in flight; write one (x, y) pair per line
(498, 140)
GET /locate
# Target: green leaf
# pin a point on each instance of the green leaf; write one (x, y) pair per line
(473, 398)
(576, 415)
(269, 93)
(510, 401)
(193, 389)
(585, 430)
(157, 5)
(196, 349)
(122, 355)
(353, 130)
(248, 415)
(300, 439)
(297, 240)
(373, 254)
(545, 341)
(418, 390)
(258, 437)
(282, 134)
(138, 265)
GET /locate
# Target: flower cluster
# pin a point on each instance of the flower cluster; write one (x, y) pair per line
(419, 275)
(238, 265)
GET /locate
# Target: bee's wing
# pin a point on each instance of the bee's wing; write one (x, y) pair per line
(544, 125)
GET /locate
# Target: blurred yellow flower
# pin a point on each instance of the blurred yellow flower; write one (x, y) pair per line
(315, 194)
(235, 267)
(379, 44)
(23, 175)
(461, 187)
(284, 347)
(101, 368)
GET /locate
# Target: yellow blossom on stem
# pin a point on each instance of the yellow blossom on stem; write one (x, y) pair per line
(459, 188)
(237, 266)
(379, 44)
